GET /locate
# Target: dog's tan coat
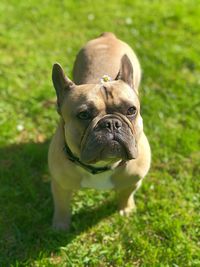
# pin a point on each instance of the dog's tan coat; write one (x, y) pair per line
(100, 56)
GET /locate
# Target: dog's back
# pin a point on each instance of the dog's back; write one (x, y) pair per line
(102, 56)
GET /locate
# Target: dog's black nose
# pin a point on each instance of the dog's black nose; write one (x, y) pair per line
(112, 124)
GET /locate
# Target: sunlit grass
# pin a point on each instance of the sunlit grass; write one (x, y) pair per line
(166, 229)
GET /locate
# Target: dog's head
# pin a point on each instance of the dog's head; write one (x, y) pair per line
(102, 121)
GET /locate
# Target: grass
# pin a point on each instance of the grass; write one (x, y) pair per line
(166, 229)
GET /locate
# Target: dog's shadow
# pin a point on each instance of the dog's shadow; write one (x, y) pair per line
(26, 206)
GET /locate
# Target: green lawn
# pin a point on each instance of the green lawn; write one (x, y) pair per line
(166, 229)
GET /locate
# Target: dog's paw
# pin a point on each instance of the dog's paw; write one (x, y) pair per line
(127, 210)
(60, 226)
(61, 223)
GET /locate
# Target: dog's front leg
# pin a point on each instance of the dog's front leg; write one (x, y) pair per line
(62, 213)
(126, 185)
(126, 201)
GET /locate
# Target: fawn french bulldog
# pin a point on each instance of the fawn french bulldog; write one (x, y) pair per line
(99, 142)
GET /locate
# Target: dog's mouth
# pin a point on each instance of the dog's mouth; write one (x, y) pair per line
(115, 149)
(110, 139)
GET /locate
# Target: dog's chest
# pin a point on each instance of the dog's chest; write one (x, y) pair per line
(101, 181)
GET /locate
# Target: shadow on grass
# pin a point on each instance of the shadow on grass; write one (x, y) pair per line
(26, 207)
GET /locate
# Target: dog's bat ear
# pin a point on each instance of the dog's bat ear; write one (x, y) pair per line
(126, 71)
(61, 83)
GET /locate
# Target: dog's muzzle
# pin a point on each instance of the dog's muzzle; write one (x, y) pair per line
(110, 137)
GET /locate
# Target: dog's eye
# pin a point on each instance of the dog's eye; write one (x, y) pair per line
(131, 111)
(84, 115)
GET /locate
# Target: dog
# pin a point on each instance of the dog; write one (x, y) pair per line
(99, 142)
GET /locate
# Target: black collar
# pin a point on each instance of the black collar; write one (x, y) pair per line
(89, 168)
